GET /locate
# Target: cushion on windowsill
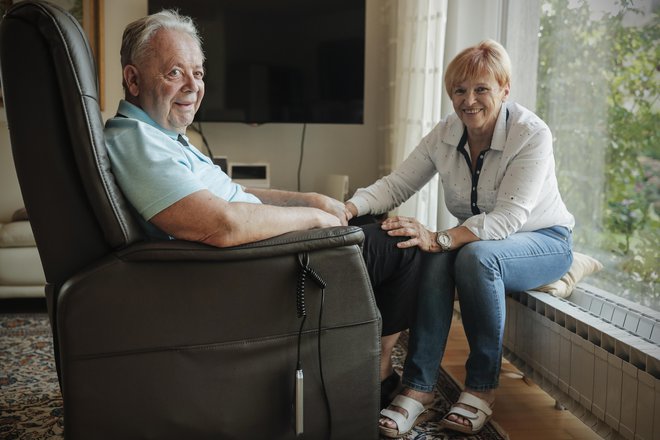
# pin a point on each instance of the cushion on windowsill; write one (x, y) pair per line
(583, 265)
(16, 234)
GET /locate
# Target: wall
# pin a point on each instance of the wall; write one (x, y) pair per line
(329, 149)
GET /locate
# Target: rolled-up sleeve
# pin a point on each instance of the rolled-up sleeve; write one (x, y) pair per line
(394, 189)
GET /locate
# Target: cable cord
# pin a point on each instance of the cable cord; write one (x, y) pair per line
(325, 392)
(302, 151)
(198, 129)
(300, 309)
(307, 271)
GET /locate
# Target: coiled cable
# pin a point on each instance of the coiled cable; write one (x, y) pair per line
(305, 272)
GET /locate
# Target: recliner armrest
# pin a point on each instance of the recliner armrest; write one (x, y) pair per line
(289, 243)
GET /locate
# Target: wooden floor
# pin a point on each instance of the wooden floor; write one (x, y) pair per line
(522, 409)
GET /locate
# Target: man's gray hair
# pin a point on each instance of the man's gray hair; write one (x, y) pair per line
(138, 34)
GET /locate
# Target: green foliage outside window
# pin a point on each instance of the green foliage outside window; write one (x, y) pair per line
(598, 83)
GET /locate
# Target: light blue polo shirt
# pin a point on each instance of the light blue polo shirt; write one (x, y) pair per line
(154, 170)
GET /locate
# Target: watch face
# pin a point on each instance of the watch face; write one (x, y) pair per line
(444, 240)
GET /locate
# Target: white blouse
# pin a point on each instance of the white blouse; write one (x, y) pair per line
(514, 187)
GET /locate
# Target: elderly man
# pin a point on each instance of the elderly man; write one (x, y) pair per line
(178, 192)
(172, 185)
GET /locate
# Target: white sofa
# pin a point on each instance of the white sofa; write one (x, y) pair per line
(21, 274)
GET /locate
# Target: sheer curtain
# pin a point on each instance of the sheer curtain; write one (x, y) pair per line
(415, 55)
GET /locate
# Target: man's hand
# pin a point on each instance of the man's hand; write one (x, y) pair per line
(308, 199)
(330, 205)
(327, 220)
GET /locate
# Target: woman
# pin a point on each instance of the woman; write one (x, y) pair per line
(496, 164)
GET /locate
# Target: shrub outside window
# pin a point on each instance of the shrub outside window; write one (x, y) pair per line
(597, 88)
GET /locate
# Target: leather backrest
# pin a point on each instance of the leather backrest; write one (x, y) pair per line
(77, 212)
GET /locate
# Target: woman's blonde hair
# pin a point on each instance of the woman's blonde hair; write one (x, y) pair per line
(487, 57)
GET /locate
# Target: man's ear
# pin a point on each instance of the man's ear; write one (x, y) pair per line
(132, 80)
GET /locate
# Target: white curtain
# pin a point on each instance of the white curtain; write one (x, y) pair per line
(415, 54)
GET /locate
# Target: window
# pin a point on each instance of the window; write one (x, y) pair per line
(597, 88)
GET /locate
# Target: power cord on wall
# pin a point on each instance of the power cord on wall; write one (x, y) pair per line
(302, 150)
(197, 126)
(198, 129)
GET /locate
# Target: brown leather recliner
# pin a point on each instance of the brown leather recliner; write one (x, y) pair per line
(173, 340)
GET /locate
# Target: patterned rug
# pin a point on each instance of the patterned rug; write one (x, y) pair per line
(447, 392)
(30, 400)
(31, 404)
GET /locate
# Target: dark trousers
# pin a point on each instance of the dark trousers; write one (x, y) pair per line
(394, 275)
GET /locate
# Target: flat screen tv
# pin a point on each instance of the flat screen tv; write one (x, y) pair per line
(298, 61)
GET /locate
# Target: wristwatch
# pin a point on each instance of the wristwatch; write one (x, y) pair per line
(444, 241)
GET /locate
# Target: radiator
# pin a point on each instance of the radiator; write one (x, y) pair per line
(596, 354)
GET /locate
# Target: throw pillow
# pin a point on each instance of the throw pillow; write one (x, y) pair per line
(582, 266)
(16, 234)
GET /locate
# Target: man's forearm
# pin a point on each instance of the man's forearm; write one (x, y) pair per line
(283, 198)
(249, 223)
(309, 199)
(203, 217)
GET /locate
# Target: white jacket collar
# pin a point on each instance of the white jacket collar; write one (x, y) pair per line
(455, 130)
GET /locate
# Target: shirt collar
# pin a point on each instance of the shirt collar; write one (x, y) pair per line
(134, 112)
(455, 129)
(499, 135)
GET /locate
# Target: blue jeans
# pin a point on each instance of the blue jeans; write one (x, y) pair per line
(481, 273)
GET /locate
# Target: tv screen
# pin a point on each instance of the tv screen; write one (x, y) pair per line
(280, 60)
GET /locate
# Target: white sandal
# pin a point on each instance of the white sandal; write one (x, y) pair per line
(404, 424)
(477, 419)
